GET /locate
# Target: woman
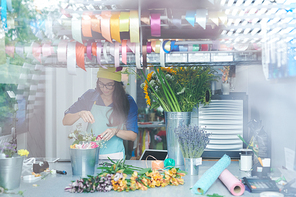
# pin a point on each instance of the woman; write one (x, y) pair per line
(109, 112)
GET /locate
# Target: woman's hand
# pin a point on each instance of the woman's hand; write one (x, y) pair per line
(86, 116)
(108, 134)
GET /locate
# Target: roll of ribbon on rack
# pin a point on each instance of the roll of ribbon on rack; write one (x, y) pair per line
(76, 29)
(155, 25)
(62, 51)
(235, 187)
(88, 50)
(211, 175)
(123, 51)
(80, 50)
(114, 26)
(86, 25)
(149, 48)
(124, 21)
(96, 23)
(134, 26)
(105, 25)
(71, 58)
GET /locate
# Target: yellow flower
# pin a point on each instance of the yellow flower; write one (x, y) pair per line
(23, 152)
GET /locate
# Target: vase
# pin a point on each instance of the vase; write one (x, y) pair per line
(83, 161)
(10, 172)
(172, 121)
(192, 165)
(225, 88)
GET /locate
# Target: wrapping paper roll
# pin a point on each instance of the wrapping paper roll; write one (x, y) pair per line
(210, 176)
(235, 187)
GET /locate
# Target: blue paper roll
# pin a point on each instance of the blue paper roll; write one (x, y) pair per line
(210, 176)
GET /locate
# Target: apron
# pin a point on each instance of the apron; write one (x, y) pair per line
(113, 148)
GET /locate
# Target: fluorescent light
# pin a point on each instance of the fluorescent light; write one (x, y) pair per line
(245, 22)
(252, 11)
(241, 13)
(254, 21)
(234, 12)
(238, 30)
(229, 22)
(239, 2)
(227, 11)
(254, 31)
(229, 33)
(247, 30)
(230, 2)
(257, 2)
(223, 32)
(261, 11)
(271, 11)
(248, 2)
(237, 21)
(222, 2)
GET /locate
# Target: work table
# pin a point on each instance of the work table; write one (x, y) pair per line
(53, 185)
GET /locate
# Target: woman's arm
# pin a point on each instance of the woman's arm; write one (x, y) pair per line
(70, 119)
(123, 134)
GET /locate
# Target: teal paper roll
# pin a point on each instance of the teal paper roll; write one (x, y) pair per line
(210, 176)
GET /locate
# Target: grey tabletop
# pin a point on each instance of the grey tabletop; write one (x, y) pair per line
(53, 185)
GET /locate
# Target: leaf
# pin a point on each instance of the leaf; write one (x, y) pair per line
(214, 195)
(143, 171)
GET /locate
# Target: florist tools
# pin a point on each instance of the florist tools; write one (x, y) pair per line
(259, 159)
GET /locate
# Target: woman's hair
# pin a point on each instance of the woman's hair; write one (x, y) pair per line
(120, 107)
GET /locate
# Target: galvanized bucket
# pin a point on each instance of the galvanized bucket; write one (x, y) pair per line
(192, 165)
(83, 161)
(173, 120)
(10, 172)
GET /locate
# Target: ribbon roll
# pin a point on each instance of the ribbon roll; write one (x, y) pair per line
(105, 51)
(99, 52)
(145, 18)
(201, 17)
(183, 48)
(4, 15)
(76, 29)
(153, 45)
(62, 51)
(80, 50)
(190, 47)
(71, 58)
(190, 16)
(204, 47)
(134, 26)
(195, 47)
(86, 26)
(210, 176)
(46, 50)
(157, 47)
(213, 16)
(88, 50)
(177, 19)
(137, 56)
(96, 24)
(235, 187)
(157, 165)
(161, 56)
(166, 46)
(105, 25)
(155, 25)
(94, 49)
(132, 46)
(124, 21)
(10, 50)
(123, 51)
(114, 27)
(116, 54)
(36, 51)
(149, 48)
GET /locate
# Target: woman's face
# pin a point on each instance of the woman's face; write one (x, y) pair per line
(106, 86)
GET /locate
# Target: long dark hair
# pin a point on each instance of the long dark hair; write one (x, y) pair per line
(120, 109)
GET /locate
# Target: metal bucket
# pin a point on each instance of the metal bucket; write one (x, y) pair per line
(83, 161)
(173, 120)
(10, 172)
(192, 165)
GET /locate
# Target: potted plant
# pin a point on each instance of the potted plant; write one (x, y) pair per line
(11, 163)
(193, 140)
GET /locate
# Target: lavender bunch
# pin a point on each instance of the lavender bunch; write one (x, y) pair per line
(8, 149)
(192, 140)
(91, 184)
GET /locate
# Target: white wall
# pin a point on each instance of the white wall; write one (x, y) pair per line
(275, 102)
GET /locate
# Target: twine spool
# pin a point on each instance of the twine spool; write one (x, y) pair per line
(155, 165)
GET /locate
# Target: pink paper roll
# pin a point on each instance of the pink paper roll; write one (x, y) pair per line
(235, 187)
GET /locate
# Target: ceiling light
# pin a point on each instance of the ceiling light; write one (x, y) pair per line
(248, 2)
(253, 11)
(234, 12)
(257, 2)
(246, 31)
(241, 13)
(238, 30)
(230, 2)
(229, 22)
(237, 21)
(245, 22)
(254, 31)
(271, 11)
(239, 2)
(254, 21)
(261, 11)
(222, 2)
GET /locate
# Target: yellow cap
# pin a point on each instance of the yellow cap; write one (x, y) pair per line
(109, 73)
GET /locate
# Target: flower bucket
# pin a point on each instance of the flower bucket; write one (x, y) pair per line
(83, 161)
(172, 121)
(10, 172)
(192, 165)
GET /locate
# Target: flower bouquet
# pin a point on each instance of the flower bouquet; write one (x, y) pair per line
(178, 89)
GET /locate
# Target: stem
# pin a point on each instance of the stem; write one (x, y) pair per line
(162, 103)
(166, 92)
(172, 92)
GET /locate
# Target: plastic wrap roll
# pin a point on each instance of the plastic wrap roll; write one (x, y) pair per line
(235, 187)
(210, 176)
